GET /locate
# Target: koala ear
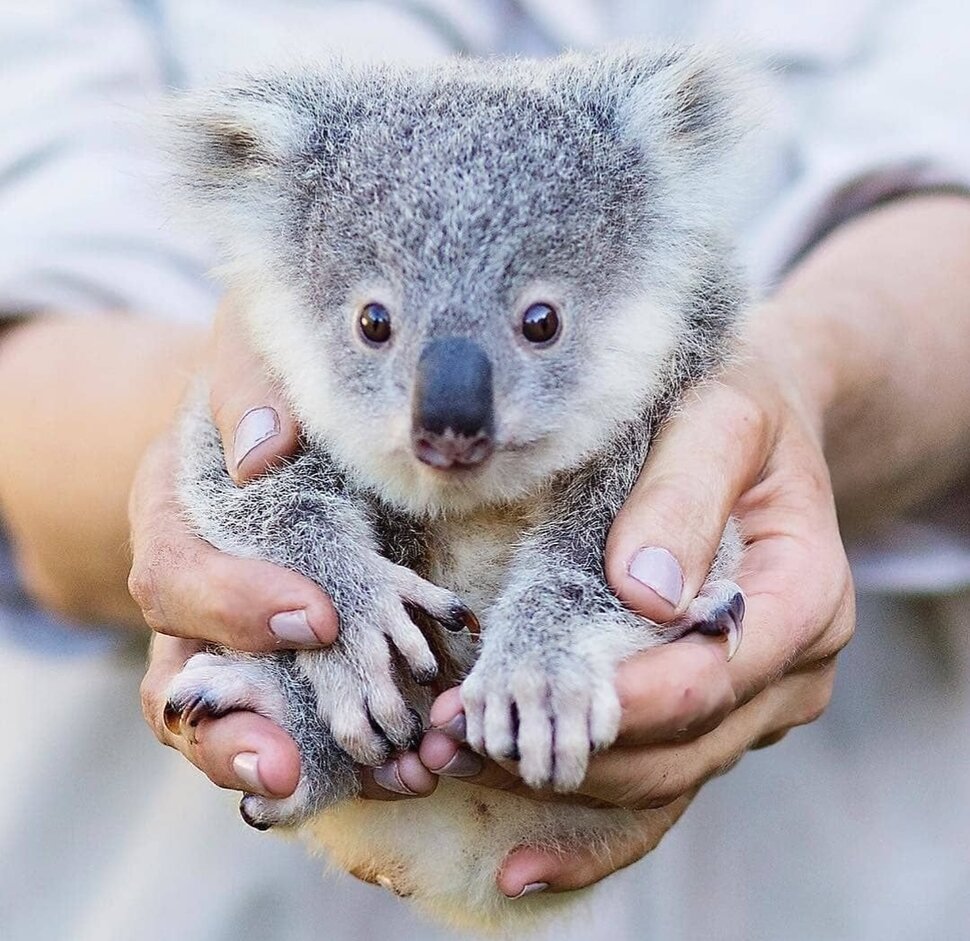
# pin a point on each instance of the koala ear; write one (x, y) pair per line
(689, 109)
(239, 158)
(700, 103)
(229, 141)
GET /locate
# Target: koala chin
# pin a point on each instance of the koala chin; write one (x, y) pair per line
(482, 286)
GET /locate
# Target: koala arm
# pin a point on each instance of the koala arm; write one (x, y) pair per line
(543, 688)
(309, 519)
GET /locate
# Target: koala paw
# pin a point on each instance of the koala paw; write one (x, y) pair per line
(211, 685)
(261, 813)
(548, 711)
(356, 681)
(718, 611)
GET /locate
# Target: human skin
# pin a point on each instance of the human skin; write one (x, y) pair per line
(824, 370)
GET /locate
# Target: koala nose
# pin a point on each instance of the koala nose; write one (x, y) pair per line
(452, 421)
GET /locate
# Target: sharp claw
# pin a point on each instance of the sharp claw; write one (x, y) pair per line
(461, 618)
(418, 732)
(470, 621)
(196, 712)
(252, 821)
(727, 625)
(172, 718)
(733, 636)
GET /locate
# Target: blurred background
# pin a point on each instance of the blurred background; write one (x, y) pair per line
(856, 827)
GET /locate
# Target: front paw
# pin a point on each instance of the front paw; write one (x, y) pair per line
(548, 708)
(358, 680)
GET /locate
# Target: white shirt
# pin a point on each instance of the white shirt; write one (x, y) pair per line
(104, 835)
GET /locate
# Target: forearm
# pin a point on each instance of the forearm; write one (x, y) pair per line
(875, 325)
(81, 401)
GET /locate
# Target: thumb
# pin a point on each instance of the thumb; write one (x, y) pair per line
(255, 424)
(663, 540)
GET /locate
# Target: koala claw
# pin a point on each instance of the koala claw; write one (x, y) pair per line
(252, 819)
(211, 685)
(718, 612)
(262, 813)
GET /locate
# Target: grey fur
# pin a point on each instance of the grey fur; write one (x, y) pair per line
(456, 196)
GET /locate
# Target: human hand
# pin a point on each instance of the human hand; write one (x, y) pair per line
(190, 593)
(748, 446)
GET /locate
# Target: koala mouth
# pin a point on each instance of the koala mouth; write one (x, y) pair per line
(450, 450)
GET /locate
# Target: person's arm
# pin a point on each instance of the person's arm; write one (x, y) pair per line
(82, 398)
(887, 344)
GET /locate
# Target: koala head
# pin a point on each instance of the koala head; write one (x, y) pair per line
(466, 277)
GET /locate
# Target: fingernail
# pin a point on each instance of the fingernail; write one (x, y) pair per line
(660, 571)
(255, 427)
(463, 764)
(388, 776)
(292, 627)
(531, 889)
(246, 767)
(454, 728)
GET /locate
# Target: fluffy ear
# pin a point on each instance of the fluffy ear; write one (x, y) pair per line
(701, 102)
(690, 110)
(231, 140)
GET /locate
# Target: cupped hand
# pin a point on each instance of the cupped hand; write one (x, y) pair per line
(191, 594)
(747, 446)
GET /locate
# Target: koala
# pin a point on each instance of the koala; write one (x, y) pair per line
(482, 287)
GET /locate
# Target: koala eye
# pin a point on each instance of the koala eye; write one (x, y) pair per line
(540, 323)
(375, 323)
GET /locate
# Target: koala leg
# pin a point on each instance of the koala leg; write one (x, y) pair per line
(358, 681)
(212, 684)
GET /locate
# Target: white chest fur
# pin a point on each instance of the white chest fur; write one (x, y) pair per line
(472, 552)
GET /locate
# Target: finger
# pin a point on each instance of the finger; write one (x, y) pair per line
(676, 692)
(186, 588)
(655, 776)
(528, 870)
(799, 611)
(241, 751)
(167, 656)
(255, 423)
(401, 778)
(247, 752)
(663, 540)
(800, 604)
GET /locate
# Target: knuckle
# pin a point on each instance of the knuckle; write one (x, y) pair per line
(772, 738)
(152, 706)
(817, 700)
(744, 415)
(141, 585)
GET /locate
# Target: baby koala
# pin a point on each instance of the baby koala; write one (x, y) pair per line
(482, 286)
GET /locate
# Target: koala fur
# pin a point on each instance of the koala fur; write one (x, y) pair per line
(456, 197)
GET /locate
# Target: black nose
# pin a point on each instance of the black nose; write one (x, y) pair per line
(452, 421)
